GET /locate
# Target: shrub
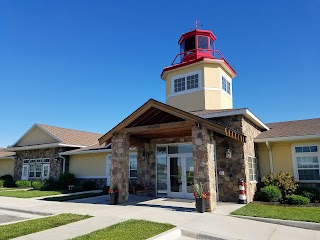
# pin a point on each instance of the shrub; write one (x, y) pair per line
(89, 185)
(23, 184)
(284, 181)
(7, 180)
(297, 200)
(50, 184)
(38, 185)
(66, 179)
(312, 193)
(1, 183)
(270, 194)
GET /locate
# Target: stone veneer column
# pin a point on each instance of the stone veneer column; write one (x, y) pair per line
(203, 159)
(120, 165)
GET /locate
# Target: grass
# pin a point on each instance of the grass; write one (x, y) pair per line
(74, 197)
(306, 214)
(32, 226)
(5, 188)
(129, 230)
(28, 193)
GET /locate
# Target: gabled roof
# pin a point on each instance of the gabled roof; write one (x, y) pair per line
(300, 129)
(154, 112)
(64, 136)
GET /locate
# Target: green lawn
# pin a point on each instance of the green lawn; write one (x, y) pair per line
(129, 230)
(74, 197)
(306, 214)
(5, 189)
(28, 193)
(32, 226)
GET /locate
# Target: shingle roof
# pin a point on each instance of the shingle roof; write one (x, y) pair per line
(71, 136)
(205, 112)
(292, 128)
(6, 154)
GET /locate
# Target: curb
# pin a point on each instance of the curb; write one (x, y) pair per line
(290, 223)
(26, 211)
(204, 236)
(171, 234)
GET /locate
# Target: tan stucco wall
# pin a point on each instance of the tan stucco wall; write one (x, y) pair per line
(84, 165)
(282, 156)
(212, 97)
(35, 136)
(6, 166)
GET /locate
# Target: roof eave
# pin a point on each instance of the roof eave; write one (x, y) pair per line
(289, 138)
(41, 146)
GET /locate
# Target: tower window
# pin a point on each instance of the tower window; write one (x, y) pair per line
(179, 84)
(190, 44)
(186, 83)
(192, 81)
(226, 85)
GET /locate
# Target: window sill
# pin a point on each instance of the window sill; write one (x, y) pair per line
(254, 181)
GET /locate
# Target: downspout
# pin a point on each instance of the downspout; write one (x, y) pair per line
(270, 157)
(64, 163)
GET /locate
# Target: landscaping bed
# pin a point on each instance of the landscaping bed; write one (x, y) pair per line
(280, 211)
(32, 226)
(129, 230)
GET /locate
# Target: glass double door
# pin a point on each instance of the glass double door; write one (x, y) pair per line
(180, 176)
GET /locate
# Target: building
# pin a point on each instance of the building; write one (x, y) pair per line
(196, 136)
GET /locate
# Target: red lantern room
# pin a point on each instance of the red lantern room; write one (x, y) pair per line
(196, 44)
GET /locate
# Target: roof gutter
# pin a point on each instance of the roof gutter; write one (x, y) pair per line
(41, 146)
(283, 139)
(270, 157)
(85, 152)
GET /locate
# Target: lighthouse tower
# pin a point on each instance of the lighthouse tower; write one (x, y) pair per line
(199, 78)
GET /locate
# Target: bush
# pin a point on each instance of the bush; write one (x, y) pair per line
(312, 193)
(89, 185)
(270, 194)
(7, 180)
(23, 184)
(297, 200)
(50, 184)
(38, 185)
(284, 181)
(66, 179)
(1, 183)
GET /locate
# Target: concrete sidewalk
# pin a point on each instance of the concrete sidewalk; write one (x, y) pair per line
(168, 211)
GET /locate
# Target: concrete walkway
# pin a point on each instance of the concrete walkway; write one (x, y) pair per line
(177, 212)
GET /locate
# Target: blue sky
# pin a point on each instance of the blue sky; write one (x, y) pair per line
(88, 64)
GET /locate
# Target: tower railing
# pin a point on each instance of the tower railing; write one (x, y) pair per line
(216, 54)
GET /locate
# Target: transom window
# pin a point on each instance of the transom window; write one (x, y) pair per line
(186, 83)
(253, 169)
(226, 85)
(133, 165)
(307, 163)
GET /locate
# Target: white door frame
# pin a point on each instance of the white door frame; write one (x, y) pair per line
(108, 169)
(183, 193)
(43, 166)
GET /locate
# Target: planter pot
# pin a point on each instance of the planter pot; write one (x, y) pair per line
(201, 205)
(114, 198)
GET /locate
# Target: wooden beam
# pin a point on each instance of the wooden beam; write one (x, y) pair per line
(146, 115)
(157, 127)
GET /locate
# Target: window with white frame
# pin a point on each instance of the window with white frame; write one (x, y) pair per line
(133, 165)
(307, 162)
(37, 168)
(253, 169)
(226, 85)
(186, 83)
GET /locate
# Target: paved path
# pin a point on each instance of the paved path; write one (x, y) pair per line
(12, 216)
(178, 213)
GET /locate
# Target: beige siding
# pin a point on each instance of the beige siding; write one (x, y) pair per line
(281, 154)
(88, 165)
(6, 166)
(35, 136)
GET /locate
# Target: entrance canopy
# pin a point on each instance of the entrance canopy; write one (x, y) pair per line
(158, 120)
